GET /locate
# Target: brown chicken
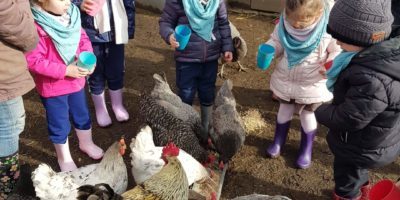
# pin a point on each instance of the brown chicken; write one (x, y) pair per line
(168, 184)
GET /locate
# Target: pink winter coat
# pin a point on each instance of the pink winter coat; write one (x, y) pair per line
(48, 68)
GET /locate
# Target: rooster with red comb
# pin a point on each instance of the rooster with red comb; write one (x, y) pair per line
(170, 183)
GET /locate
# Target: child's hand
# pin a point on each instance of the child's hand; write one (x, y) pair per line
(92, 70)
(228, 56)
(173, 42)
(88, 6)
(76, 72)
(325, 68)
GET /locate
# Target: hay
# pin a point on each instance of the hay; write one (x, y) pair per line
(253, 120)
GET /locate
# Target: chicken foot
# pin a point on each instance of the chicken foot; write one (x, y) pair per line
(221, 72)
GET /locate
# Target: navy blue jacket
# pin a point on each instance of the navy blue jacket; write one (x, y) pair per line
(197, 49)
(94, 35)
(365, 112)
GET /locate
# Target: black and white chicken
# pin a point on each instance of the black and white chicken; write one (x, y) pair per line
(167, 128)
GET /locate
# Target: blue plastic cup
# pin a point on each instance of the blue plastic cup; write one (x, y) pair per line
(182, 36)
(86, 60)
(265, 55)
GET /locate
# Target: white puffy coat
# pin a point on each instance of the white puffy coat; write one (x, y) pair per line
(303, 83)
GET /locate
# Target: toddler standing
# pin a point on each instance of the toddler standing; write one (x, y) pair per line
(298, 82)
(59, 82)
(109, 25)
(197, 64)
(363, 118)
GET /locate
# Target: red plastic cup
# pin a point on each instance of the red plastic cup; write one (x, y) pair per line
(384, 190)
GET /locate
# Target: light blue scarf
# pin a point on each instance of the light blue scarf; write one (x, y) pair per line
(65, 39)
(201, 19)
(296, 50)
(339, 64)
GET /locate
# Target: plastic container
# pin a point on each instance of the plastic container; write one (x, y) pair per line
(182, 36)
(86, 60)
(265, 55)
(384, 190)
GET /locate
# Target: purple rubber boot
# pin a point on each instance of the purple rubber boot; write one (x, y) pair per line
(307, 139)
(281, 132)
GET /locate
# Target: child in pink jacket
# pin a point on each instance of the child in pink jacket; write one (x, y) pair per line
(59, 82)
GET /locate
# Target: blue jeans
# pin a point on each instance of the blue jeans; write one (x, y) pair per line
(110, 67)
(12, 123)
(60, 109)
(197, 77)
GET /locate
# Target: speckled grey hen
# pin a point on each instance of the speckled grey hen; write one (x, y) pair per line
(228, 132)
(169, 128)
(164, 96)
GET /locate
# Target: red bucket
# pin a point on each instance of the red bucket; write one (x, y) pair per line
(384, 190)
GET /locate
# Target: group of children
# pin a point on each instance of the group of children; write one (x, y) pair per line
(356, 98)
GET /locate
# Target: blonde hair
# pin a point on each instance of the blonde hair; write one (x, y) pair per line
(306, 8)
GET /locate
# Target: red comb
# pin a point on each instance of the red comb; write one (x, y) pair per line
(170, 149)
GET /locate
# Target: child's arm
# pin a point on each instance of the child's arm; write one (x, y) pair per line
(16, 25)
(224, 29)
(365, 99)
(275, 41)
(38, 64)
(333, 50)
(168, 20)
(130, 12)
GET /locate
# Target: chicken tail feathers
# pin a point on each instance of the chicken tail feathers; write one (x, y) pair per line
(50, 185)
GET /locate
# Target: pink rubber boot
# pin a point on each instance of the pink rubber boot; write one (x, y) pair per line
(86, 144)
(102, 116)
(117, 105)
(64, 157)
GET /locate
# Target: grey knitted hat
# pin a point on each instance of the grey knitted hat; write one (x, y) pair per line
(361, 22)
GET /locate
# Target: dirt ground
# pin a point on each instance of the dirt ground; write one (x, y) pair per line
(250, 171)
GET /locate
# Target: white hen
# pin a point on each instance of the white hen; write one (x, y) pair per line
(146, 159)
(63, 186)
